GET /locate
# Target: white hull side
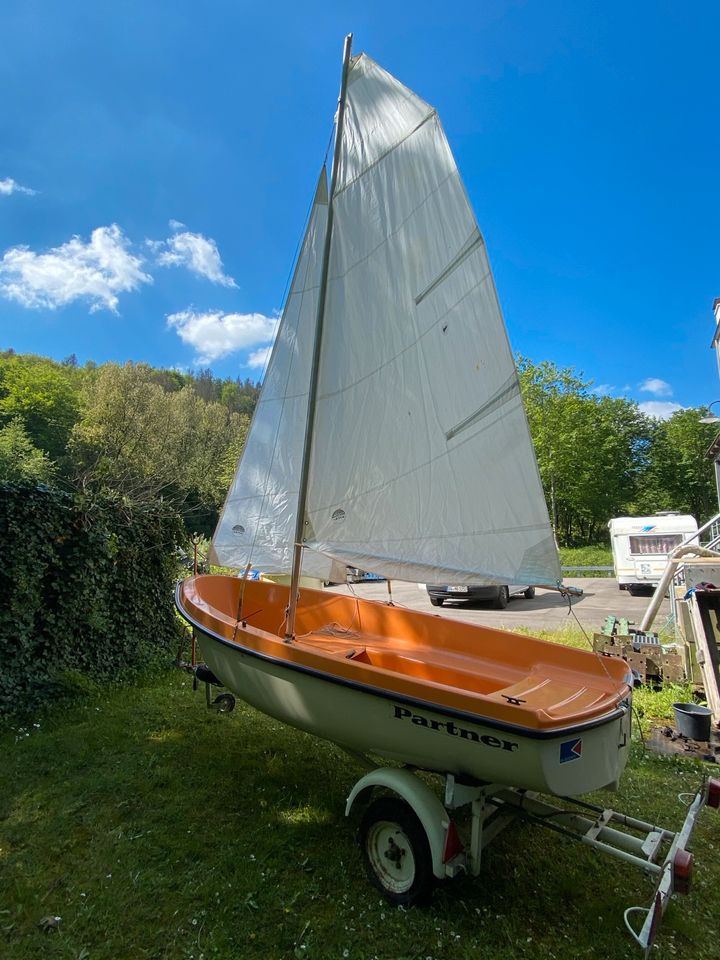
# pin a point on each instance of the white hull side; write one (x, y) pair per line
(422, 736)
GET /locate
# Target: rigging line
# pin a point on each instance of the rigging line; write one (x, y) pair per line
(294, 271)
(241, 599)
(356, 614)
(599, 656)
(306, 221)
(329, 143)
(568, 597)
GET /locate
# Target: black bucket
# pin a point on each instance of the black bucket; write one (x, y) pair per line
(692, 720)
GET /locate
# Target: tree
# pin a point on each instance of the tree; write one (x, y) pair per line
(44, 395)
(239, 398)
(135, 437)
(170, 380)
(205, 385)
(678, 475)
(589, 449)
(20, 459)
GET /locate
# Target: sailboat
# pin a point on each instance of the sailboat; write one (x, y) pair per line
(390, 435)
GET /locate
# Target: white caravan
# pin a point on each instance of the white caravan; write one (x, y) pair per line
(641, 545)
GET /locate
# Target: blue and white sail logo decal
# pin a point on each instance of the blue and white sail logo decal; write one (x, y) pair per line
(570, 750)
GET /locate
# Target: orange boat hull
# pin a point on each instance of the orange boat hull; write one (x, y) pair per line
(417, 688)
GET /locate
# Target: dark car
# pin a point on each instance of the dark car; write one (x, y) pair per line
(497, 595)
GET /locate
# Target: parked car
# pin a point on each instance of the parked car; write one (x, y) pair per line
(355, 575)
(498, 595)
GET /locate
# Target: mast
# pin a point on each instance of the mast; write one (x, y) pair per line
(312, 391)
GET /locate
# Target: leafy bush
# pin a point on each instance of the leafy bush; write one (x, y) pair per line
(85, 589)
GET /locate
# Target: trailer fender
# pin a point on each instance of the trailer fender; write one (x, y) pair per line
(425, 804)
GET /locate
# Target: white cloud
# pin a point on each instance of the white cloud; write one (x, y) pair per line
(660, 388)
(659, 409)
(258, 358)
(196, 252)
(175, 225)
(9, 186)
(96, 271)
(215, 334)
(603, 389)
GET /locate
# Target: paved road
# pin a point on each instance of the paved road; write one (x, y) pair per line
(547, 611)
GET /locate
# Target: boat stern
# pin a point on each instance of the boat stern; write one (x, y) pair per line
(590, 759)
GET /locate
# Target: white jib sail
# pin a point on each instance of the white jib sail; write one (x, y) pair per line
(422, 464)
(257, 524)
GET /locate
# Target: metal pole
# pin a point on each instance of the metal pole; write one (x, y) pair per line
(312, 391)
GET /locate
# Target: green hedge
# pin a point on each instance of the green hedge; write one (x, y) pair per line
(85, 589)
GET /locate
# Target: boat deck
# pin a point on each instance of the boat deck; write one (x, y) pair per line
(539, 691)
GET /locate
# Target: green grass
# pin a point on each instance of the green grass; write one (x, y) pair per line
(586, 557)
(156, 829)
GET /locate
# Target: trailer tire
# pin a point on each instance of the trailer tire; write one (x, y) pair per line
(224, 703)
(396, 852)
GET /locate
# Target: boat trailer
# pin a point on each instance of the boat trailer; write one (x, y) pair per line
(409, 837)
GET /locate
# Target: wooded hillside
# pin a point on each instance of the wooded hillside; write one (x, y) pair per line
(147, 433)
(132, 429)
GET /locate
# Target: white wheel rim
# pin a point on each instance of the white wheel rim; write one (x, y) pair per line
(391, 856)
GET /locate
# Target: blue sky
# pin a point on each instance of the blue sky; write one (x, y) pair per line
(157, 161)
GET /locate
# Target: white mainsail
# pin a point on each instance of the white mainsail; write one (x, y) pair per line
(422, 466)
(257, 524)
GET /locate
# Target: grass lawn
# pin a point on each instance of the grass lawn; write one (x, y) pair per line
(154, 828)
(586, 557)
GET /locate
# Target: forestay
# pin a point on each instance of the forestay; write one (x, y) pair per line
(257, 524)
(422, 465)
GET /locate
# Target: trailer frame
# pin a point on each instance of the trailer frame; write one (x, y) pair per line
(657, 851)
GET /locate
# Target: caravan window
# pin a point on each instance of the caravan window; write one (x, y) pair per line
(657, 544)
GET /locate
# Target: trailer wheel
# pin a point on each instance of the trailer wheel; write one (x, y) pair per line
(224, 703)
(396, 851)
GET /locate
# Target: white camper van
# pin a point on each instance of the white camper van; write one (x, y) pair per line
(641, 545)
